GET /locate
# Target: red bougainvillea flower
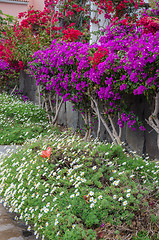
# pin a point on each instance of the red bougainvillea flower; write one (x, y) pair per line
(71, 34)
(47, 153)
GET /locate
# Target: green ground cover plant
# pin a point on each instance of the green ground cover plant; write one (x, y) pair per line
(66, 188)
(20, 121)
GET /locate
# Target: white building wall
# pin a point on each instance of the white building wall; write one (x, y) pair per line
(102, 23)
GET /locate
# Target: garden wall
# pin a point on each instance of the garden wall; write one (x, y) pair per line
(141, 142)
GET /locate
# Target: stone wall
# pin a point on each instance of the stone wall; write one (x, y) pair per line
(28, 86)
(141, 142)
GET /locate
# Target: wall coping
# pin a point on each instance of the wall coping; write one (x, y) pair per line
(14, 2)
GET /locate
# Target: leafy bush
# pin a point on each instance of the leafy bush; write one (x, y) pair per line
(20, 121)
(81, 190)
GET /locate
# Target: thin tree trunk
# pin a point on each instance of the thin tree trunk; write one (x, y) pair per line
(46, 107)
(13, 90)
(98, 115)
(57, 111)
(96, 109)
(39, 100)
(153, 120)
(107, 128)
(158, 141)
(114, 130)
(87, 118)
(89, 130)
(51, 107)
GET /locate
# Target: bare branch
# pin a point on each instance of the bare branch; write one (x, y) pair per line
(57, 111)
(114, 130)
(153, 120)
(13, 90)
(120, 132)
(52, 119)
(151, 123)
(98, 115)
(156, 110)
(39, 96)
(46, 107)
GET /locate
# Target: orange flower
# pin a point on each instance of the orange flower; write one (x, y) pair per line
(46, 153)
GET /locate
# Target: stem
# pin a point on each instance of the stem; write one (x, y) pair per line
(153, 120)
(85, 118)
(39, 96)
(114, 130)
(156, 110)
(57, 111)
(89, 130)
(98, 115)
(102, 119)
(158, 141)
(13, 90)
(51, 108)
(57, 100)
(120, 132)
(46, 107)
(107, 128)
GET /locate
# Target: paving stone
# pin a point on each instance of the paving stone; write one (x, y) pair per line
(15, 238)
(5, 149)
(8, 229)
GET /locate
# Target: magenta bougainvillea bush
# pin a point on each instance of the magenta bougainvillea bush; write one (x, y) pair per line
(95, 78)
(99, 76)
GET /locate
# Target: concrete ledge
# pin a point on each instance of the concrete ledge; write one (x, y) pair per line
(14, 2)
(6, 149)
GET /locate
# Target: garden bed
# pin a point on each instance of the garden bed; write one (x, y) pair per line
(20, 120)
(83, 190)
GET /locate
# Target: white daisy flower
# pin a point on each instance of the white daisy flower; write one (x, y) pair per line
(114, 196)
(56, 222)
(72, 196)
(69, 206)
(46, 210)
(125, 203)
(100, 197)
(73, 226)
(94, 167)
(46, 224)
(91, 193)
(128, 195)
(92, 205)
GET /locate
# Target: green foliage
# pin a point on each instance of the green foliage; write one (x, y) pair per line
(8, 80)
(142, 236)
(81, 189)
(5, 20)
(20, 121)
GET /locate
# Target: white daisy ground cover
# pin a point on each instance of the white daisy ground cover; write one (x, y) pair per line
(84, 191)
(20, 121)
